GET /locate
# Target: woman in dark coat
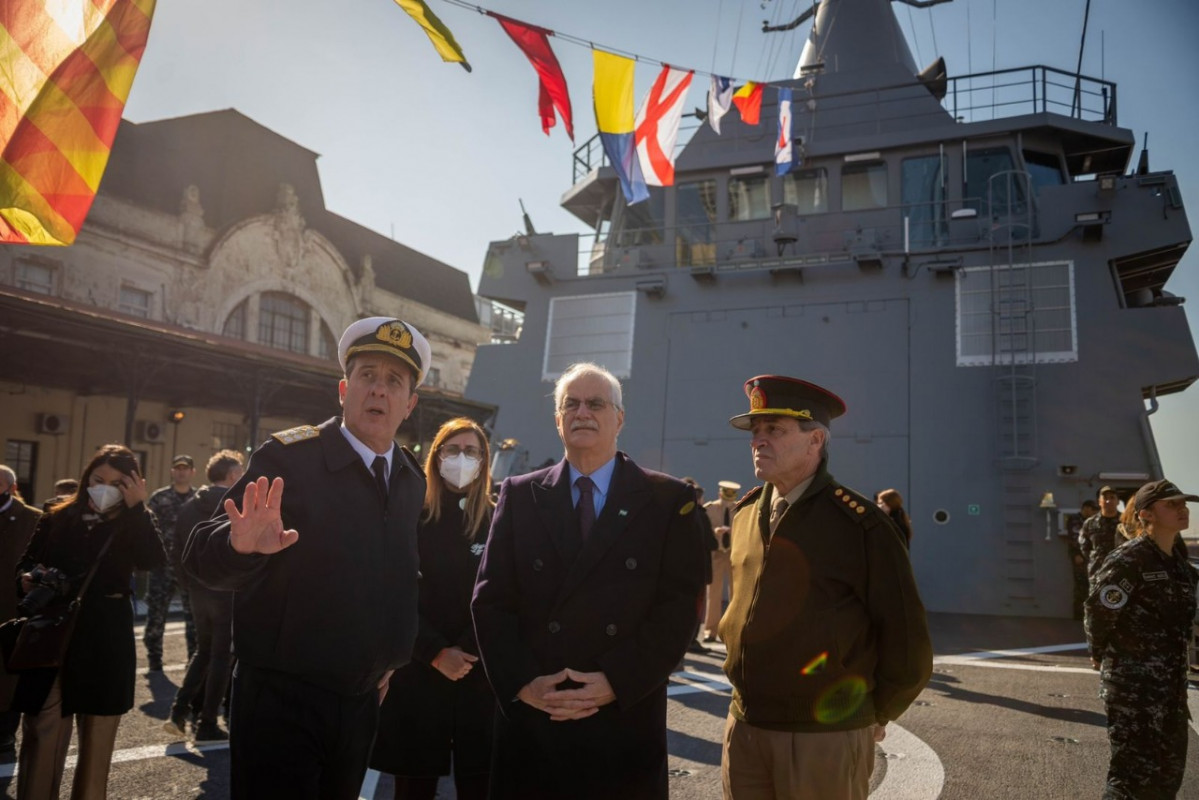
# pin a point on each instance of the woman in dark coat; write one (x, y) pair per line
(441, 704)
(95, 684)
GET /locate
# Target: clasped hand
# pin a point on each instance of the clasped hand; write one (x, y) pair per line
(258, 526)
(568, 704)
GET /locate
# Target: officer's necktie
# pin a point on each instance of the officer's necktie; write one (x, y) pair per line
(379, 467)
(726, 516)
(586, 507)
(777, 508)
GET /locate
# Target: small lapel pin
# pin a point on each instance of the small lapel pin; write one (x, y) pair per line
(623, 513)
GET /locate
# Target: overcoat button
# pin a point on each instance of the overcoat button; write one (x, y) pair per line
(554, 627)
(537, 565)
(631, 563)
(610, 630)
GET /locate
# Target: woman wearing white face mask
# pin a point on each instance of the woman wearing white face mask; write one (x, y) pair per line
(95, 684)
(441, 704)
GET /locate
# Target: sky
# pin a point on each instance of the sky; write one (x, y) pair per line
(438, 158)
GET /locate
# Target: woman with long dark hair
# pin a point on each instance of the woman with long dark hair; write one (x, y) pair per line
(1138, 622)
(891, 502)
(94, 686)
(440, 705)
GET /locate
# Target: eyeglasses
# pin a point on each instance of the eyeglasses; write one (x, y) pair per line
(452, 450)
(594, 404)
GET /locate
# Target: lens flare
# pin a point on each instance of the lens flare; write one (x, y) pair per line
(840, 700)
(816, 665)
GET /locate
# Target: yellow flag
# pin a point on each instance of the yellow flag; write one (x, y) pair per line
(436, 30)
(613, 92)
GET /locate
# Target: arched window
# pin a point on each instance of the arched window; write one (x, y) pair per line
(283, 322)
(235, 323)
(327, 347)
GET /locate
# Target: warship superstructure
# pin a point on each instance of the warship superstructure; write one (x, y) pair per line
(976, 264)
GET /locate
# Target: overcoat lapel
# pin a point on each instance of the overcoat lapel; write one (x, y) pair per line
(552, 497)
(627, 494)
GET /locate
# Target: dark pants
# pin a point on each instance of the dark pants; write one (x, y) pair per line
(208, 668)
(292, 739)
(1148, 735)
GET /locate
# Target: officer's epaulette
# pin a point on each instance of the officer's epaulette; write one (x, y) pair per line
(299, 433)
(854, 505)
(750, 496)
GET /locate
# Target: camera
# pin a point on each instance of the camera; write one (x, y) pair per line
(49, 584)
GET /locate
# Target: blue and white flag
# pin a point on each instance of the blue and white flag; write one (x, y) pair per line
(783, 159)
(720, 97)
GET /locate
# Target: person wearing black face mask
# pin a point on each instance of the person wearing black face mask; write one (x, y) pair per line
(440, 704)
(106, 523)
(17, 521)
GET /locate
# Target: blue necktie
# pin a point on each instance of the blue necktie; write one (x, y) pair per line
(586, 506)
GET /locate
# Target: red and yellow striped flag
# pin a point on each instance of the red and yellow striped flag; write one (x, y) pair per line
(66, 67)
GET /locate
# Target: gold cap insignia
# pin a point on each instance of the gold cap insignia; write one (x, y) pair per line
(395, 334)
(757, 398)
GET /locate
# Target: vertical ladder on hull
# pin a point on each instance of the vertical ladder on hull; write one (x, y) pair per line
(1013, 347)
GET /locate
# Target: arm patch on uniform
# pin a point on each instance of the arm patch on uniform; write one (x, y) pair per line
(687, 508)
(298, 434)
(1113, 597)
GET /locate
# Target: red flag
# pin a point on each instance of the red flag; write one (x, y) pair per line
(748, 100)
(535, 44)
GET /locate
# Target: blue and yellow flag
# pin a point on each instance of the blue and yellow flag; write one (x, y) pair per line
(613, 95)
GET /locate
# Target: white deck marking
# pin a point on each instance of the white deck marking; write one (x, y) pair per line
(369, 784)
(982, 659)
(914, 772)
(1024, 651)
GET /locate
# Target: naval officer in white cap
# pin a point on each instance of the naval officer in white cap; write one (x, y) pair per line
(318, 540)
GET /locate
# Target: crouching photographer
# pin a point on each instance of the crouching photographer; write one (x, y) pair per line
(74, 578)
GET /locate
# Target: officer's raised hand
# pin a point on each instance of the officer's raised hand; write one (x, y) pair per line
(258, 527)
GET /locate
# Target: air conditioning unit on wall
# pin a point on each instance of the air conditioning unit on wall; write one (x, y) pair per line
(53, 424)
(151, 432)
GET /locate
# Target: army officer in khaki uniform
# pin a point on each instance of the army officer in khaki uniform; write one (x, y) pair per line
(827, 638)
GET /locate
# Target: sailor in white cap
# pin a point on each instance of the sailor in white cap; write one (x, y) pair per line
(720, 514)
(325, 577)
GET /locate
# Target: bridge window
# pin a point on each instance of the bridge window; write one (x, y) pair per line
(749, 197)
(991, 186)
(923, 187)
(642, 223)
(863, 186)
(695, 225)
(135, 302)
(1045, 169)
(807, 190)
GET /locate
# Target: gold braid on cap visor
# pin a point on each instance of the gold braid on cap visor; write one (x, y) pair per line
(384, 348)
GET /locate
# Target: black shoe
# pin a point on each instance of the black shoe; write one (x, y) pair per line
(210, 733)
(696, 647)
(155, 664)
(711, 637)
(176, 726)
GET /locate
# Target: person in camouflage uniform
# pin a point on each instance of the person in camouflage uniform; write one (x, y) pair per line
(1078, 562)
(165, 504)
(1098, 536)
(1139, 616)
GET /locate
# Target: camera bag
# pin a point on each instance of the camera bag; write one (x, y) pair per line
(40, 641)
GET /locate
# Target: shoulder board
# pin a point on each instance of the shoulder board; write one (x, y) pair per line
(297, 434)
(750, 496)
(854, 505)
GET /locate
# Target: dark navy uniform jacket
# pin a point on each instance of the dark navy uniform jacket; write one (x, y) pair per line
(622, 603)
(338, 607)
(1139, 614)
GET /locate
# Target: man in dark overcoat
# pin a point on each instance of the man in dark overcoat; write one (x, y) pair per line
(17, 521)
(585, 602)
(325, 576)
